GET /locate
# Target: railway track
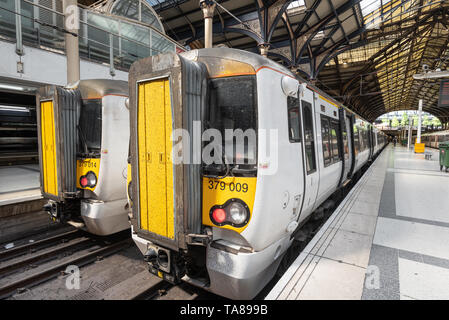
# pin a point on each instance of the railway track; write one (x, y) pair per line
(37, 245)
(157, 290)
(50, 257)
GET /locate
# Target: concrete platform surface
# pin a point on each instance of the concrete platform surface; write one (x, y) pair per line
(388, 239)
(19, 183)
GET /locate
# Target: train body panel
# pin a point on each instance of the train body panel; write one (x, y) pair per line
(278, 178)
(304, 151)
(311, 169)
(329, 158)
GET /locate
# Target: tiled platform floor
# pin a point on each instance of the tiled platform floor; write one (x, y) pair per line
(389, 238)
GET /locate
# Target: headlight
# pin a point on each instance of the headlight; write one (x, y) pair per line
(237, 213)
(88, 180)
(91, 179)
(234, 212)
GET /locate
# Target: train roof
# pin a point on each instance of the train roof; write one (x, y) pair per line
(257, 61)
(98, 88)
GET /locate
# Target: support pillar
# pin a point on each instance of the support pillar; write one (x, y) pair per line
(263, 48)
(19, 46)
(419, 147)
(71, 24)
(409, 138)
(208, 8)
(418, 135)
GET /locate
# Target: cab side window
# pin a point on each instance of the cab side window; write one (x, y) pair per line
(356, 139)
(325, 133)
(294, 124)
(309, 138)
(334, 133)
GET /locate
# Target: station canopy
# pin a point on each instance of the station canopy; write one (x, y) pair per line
(362, 52)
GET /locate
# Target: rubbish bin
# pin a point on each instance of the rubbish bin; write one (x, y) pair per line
(444, 155)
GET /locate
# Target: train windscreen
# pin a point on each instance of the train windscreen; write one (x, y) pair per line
(90, 127)
(232, 112)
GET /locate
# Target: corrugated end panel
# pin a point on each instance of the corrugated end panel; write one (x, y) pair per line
(69, 108)
(195, 88)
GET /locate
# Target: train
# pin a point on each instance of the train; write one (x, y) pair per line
(433, 139)
(83, 139)
(230, 155)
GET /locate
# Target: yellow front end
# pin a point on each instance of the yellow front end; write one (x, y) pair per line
(87, 173)
(220, 193)
(48, 145)
(154, 117)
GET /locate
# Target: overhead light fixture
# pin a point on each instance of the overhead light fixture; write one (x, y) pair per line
(11, 87)
(14, 108)
(431, 74)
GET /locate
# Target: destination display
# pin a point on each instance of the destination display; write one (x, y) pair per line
(444, 94)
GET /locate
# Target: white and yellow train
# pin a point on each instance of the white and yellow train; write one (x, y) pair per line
(225, 226)
(83, 136)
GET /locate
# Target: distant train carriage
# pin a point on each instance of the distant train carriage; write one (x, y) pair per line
(225, 225)
(433, 139)
(83, 145)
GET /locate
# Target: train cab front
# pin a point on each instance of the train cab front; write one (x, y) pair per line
(194, 170)
(83, 139)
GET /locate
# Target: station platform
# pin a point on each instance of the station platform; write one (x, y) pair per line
(19, 184)
(387, 240)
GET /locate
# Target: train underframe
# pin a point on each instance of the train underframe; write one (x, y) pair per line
(95, 216)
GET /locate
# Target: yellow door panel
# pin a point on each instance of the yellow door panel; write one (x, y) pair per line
(168, 163)
(155, 166)
(142, 158)
(49, 148)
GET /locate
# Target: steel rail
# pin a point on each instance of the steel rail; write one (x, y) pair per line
(44, 255)
(154, 291)
(30, 246)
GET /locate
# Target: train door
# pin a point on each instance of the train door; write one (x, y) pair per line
(349, 155)
(309, 141)
(371, 141)
(344, 145)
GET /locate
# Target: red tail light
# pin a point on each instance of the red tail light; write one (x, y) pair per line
(83, 181)
(219, 215)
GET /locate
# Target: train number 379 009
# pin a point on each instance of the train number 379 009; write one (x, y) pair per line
(221, 185)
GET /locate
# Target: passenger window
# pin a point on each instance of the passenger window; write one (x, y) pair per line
(309, 138)
(345, 142)
(325, 133)
(365, 138)
(356, 139)
(293, 119)
(334, 141)
(361, 140)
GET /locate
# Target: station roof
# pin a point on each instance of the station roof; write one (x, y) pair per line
(376, 77)
(364, 53)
